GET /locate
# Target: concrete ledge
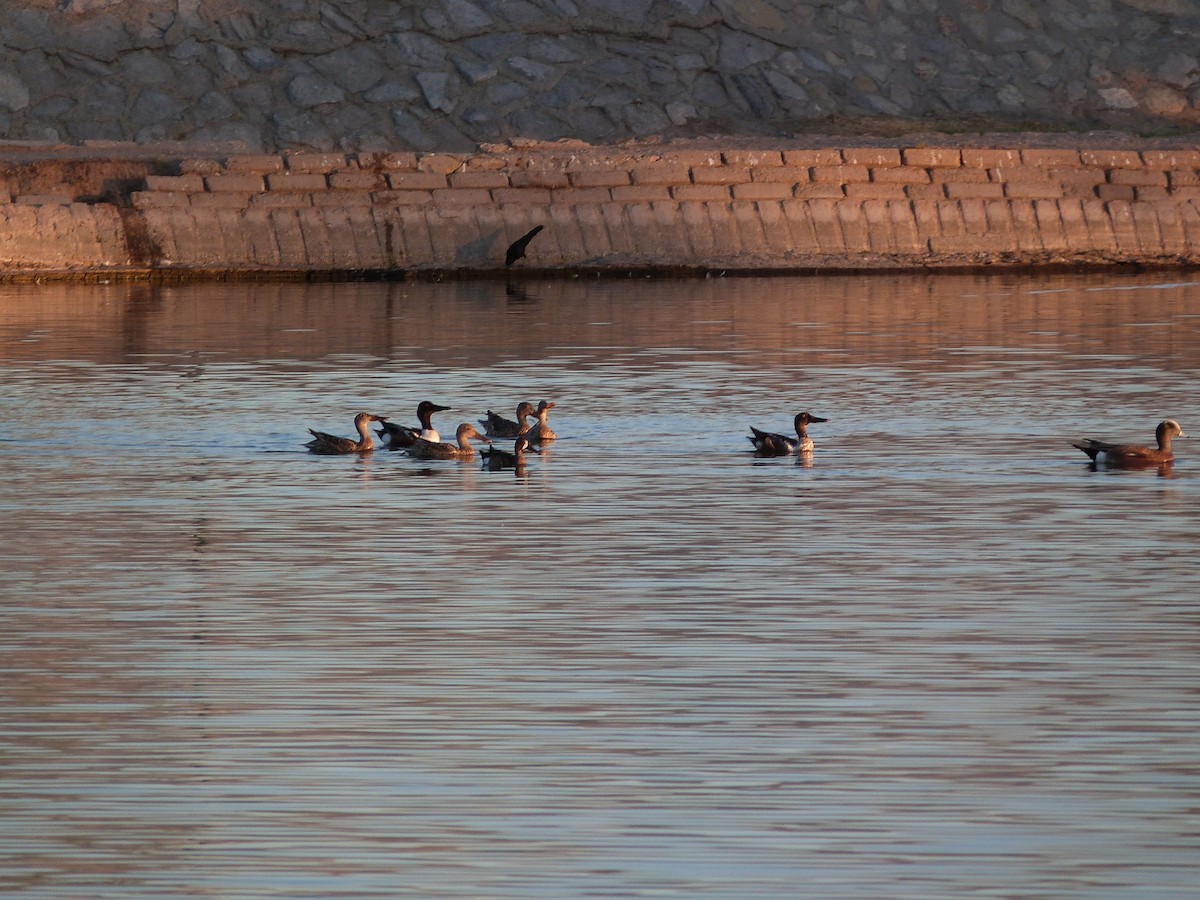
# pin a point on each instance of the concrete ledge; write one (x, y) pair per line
(766, 208)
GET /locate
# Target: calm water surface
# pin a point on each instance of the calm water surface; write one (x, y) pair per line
(946, 659)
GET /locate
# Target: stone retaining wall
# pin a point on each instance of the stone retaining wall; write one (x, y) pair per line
(450, 74)
(771, 208)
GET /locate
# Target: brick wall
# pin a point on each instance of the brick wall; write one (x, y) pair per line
(774, 208)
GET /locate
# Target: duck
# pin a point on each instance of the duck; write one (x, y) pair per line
(423, 449)
(768, 443)
(539, 431)
(400, 436)
(495, 459)
(324, 442)
(1131, 455)
(495, 425)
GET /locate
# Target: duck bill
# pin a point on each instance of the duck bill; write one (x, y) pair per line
(816, 419)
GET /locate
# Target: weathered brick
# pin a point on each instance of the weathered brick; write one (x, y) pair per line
(281, 198)
(1115, 192)
(1177, 178)
(827, 226)
(936, 191)
(871, 156)
(775, 228)
(640, 193)
(878, 226)
(854, 226)
(401, 198)
(961, 175)
(589, 178)
(752, 158)
(387, 162)
(975, 191)
(307, 163)
(800, 222)
(991, 159)
(720, 175)
(904, 229)
(1145, 225)
(461, 196)
(1170, 225)
(810, 158)
(296, 182)
(927, 216)
(840, 174)
(1050, 225)
(749, 227)
(147, 199)
(189, 183)
(700, 192)
(1141, 177)
(243, 184)
(932, 157)
(660, 173)
(1110, 159)
(288, 237)
(781, 175)
(221, 199)
(1033, 190)
(1151, 193)
(539, 178)
(593, 230)
(358, 181)
(1075, 228)
(419, 181)
(901, 175)
(1099, 223)
(1032, 156)
(200, 165)
(440, 163)
(762, 191)
(522, 195)
(333, 198)
(1172, 159)
(581, 195)
(831, 190)
(481, 179)
(698, 229)
(253, 164)
(617, 225)
(486, 163)
(856, 190)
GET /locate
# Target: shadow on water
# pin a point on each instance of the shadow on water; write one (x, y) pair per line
(942, 656)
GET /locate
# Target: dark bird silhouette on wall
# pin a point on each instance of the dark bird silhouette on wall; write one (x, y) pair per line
(516, 250)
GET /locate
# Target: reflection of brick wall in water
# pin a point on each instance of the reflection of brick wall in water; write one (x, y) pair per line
(450, 74)
(390, 329)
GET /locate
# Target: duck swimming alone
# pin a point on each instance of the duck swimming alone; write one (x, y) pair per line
(1131, 455)
(323, 442)
(768, 443)
(400, 436)
(495, 459)
(495, 425)
(539, 431)
(423, 449)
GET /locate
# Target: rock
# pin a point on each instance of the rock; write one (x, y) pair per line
(1117, 98)
(1161, 100)
(14, 96)
(434, 87)
(307, 91)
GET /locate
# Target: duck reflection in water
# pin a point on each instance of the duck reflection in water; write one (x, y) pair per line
(768, 443)
(326, 443)
(497, 460)
(1133, 456)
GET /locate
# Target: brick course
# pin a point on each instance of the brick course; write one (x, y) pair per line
(838, 207)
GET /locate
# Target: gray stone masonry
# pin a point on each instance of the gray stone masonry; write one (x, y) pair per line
(369, 75)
